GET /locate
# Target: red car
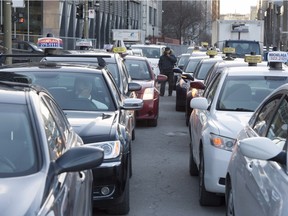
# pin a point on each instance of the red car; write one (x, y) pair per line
(142, 73)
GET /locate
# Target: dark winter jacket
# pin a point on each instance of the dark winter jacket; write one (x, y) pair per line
(166, 63)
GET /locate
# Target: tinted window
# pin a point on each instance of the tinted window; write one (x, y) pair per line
(138, 69)
(242, 93)
(69, 95)
(278, 128)
(17, 146)
(55, 141)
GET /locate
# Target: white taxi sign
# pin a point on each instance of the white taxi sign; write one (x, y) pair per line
(50, 42)
(84, 42)
(277, 56)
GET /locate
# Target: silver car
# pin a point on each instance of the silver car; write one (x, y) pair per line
(45, 169)
(257, 175)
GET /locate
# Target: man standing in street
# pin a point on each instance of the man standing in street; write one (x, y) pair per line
(166, 65)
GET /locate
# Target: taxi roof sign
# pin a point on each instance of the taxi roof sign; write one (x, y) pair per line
(277, 56)
(50, 42)
(228, 50)
(253, 59)
(84, 42)
(211, 52)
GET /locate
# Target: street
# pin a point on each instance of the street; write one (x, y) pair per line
(161, 184)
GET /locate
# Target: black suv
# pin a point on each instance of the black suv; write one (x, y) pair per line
(41, 156)
(114, 63)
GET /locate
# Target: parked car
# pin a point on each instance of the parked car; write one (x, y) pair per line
(142, 73)
(217, 117)
(101, 118)
(45, 169)
(183, 81)
(115, 64)
(199, 74)
(24, 47)
(256, 179)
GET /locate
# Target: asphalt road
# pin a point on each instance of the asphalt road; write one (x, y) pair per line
(161, 184)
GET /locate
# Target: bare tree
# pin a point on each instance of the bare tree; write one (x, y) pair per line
(182, 19)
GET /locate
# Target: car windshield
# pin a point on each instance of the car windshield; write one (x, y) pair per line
(183, 60)
(191, 66)
(203, 70)
(239, 93)
(17, 147)
(76, 91)
(138, 69)
(150, 52)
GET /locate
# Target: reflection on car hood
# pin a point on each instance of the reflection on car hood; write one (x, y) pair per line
(99, 125)
(144, 83)
(230, 123)
(21, 195)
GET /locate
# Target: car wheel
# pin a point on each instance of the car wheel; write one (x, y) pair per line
(130, 163)
(133, 134)
(192, 165)
(229, 203)
(188, 113)
(153, 122)
(206, 198)
(124, 207)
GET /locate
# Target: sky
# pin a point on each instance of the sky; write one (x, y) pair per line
(238, 6)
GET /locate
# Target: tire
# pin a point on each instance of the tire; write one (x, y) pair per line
(153, 122)
(193, 169)
(130, 163)
(229, 201)
(206, 198)
(133, 134)
(124, 207)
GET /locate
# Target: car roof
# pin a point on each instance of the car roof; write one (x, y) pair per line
(45, 66)
(255, 71)
(15, 92)
(148, 45)
(143, 58)
(107, 56)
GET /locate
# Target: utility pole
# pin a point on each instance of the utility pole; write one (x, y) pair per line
(86, 20)
(8, 28)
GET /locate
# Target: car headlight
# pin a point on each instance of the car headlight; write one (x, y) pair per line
(111, 149)
(222, 142)
(148, 94)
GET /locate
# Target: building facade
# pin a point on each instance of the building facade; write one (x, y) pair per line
(92, 19)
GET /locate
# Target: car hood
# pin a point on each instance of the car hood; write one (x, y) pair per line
(230, 123)
(21, 195)
(145, 83)
(98, 126)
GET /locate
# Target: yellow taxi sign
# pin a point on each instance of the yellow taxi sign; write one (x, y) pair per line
(211, 52)
(204, 44)
(254, 59)
(119, 49)
(230, 50)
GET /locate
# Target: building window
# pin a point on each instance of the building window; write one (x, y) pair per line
(155, 17)
(150, 15)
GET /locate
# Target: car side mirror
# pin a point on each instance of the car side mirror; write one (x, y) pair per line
(177, 70)
(161, 78)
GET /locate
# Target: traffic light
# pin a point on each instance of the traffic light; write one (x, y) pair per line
(21, 18)
(79, 11)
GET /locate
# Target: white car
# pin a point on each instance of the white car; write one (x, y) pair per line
(152, 52)
(217, 117)
(257, 177)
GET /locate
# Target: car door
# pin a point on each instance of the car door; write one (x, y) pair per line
(265, 183)
(67, 190)
(199, 119)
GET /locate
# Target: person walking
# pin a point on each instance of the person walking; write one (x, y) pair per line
(166, 65)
